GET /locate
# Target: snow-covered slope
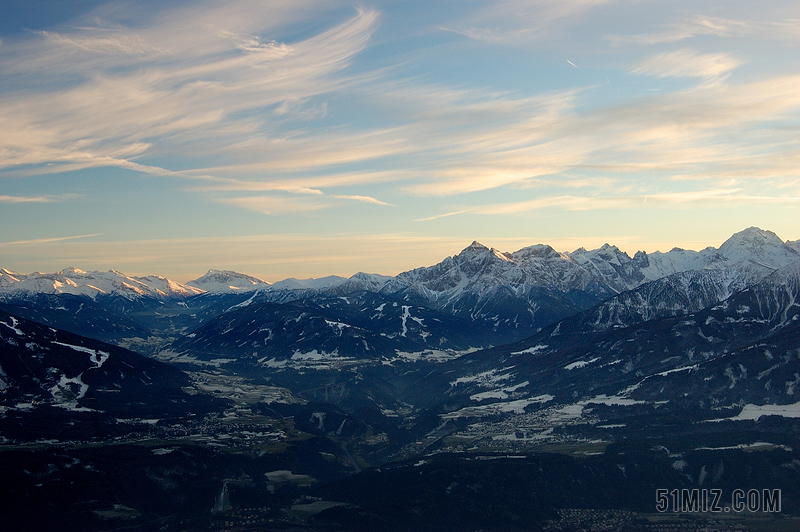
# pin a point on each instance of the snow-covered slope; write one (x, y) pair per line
(744, 260)
(754, 253)
(92, 284)
(306, 284)
(372, 282)
(221, 281)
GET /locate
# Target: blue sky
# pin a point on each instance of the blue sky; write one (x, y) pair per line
(305, 138)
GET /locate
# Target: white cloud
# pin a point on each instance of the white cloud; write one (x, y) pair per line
(36, 199)
(783, 26)
(275, 205)
(521, 21)
(38, 241)
(363, 199)
(688, 63)
(694, 26)
(733, 196)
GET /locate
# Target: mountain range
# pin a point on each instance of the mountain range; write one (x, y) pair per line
(508, 295)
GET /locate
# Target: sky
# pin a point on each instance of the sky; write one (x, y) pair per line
(308, 138)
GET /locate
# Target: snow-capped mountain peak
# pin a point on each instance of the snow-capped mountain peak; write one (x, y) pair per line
(753, 254)
(756, 244)
(78, 282)
(227, 281)
(371, 282)
(168, 287)
(475, 246)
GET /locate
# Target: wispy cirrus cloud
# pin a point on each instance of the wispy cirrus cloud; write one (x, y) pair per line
(700, 25)
(688, 63)
(728, 197)
(47, 240)
(727, 127)
(519, 21)
(695, 25)
(182, 84)
(36, 199)
(277, 205)
(363, 199)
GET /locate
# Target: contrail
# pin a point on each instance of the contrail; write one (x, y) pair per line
(573, 64)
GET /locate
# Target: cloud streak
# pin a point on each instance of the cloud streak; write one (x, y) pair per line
(710, 197)
(36, 199)
(688, 63)
(364, 199)
(47, 240)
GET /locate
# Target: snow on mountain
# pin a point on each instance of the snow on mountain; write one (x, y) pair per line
(371, 282)
(794, 244)
(517, 292)
(225, 281)
(744, 260)
(313, 283)
(221, 281)
(8, 278)
(657, 265)
(755, 253)
(64, 383)
(613, 267)
(478, 268)
(92, 284)
(676, 294)
(169, 288)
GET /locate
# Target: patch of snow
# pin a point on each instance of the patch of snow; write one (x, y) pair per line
(754, 412)
(580, 364)
(433, 355)
(502, 393)
(486, 378)
(756, 446)
(244, 303)
(162, 451)
(516, 407)
(95, 355)
(530, 350)
(677, 370)
(337, 325)
(13, 326)
(404, 317)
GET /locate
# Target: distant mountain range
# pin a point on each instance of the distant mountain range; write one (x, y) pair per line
(498, 297)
